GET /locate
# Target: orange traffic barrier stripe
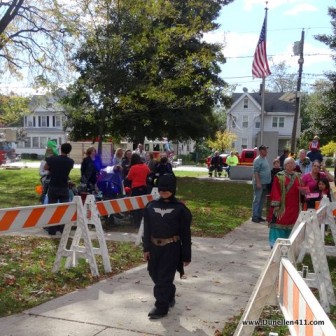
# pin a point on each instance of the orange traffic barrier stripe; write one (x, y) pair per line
(123, 204)
(34, 217)
(8, 219)
(58, 214)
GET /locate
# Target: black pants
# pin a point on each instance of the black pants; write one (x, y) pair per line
(138, 214)
(57, 195)
(216, 169)
(162, 267)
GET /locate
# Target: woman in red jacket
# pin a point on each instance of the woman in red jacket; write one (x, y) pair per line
(137, 175)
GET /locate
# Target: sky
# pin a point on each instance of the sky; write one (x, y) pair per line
(241, 23)
(240, 26)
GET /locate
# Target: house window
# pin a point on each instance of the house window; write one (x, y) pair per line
(245, 102)
(44, 121)
(35, 142)
(245, 122)
(257, 124)
(244, 143)
(275, 122)
(29, 121)
(282, 122)
(43, 142)
(57, 121)
(27, 143)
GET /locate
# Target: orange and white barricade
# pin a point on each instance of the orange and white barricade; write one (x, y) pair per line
(17, 219)
(302, 312)
(306, 237)
(39, 216)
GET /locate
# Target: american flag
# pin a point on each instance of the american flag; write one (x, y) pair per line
(260, 67)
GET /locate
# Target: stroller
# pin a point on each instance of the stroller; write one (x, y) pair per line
(110, 185)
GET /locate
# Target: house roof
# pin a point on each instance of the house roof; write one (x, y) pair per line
(274, 101)
(45, 103)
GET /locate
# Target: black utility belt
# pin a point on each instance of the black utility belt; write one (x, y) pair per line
(164, 241)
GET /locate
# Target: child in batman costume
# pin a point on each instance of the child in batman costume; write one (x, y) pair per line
(167, 243)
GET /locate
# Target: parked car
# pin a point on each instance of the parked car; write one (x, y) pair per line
(247, 156)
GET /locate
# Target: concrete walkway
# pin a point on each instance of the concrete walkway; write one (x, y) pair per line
(219, 282)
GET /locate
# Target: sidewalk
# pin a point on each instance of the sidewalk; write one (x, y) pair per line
(219, 282)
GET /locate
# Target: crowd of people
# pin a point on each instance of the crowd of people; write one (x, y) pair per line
(292, 186)
(130, 172)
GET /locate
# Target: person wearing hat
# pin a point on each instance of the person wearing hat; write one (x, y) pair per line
(45, 174)
(166, 243)
(261, 181)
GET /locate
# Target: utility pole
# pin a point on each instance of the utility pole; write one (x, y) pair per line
(298, 88)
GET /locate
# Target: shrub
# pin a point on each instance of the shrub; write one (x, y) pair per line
(25, 156)
(328, 161)
(30, 156)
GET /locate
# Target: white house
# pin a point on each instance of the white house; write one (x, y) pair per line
(243, 119)
(44, 123)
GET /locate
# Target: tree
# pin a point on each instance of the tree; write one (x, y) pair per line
(329, 149)
(33, 39)
(147, 71)
(222, 141)
(324, 121)
(281, 80)
(312, 113)
(12, 110)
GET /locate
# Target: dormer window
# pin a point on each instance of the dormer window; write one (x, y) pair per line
(246, 102)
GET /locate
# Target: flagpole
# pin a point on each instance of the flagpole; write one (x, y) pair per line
(262, 112)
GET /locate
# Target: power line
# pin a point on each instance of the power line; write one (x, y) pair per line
(281, 29)
(304, 74)
(251, 56)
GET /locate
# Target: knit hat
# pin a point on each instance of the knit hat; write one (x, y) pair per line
(167, 182)
(53, 146)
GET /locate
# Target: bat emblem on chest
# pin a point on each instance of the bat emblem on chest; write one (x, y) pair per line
(163, 212)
